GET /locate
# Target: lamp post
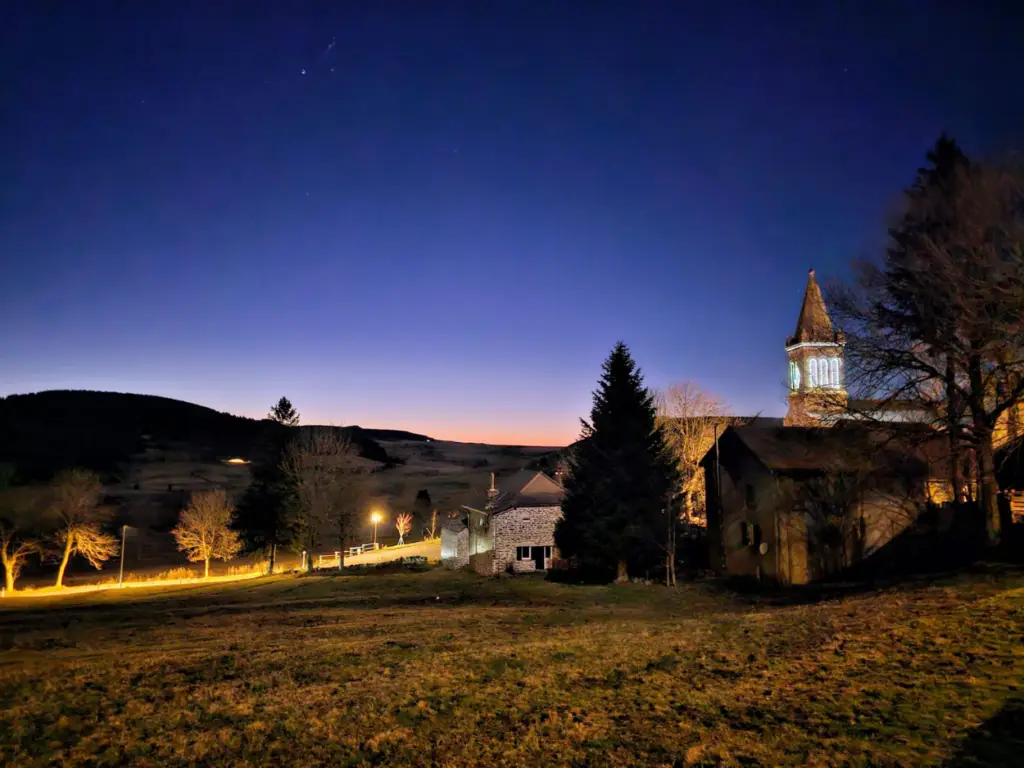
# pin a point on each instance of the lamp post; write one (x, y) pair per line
(120, 575)
(375, 518)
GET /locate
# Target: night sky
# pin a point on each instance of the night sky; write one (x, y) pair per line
(442, 220)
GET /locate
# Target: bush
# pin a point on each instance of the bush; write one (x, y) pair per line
(580, 575)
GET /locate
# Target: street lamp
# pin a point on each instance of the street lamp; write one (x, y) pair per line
(124, 537)
(375, 518)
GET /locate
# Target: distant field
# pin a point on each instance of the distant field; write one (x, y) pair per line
(442, 668)
(453, 473)
(154, 487)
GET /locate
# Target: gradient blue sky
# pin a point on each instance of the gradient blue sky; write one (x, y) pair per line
(446, 223)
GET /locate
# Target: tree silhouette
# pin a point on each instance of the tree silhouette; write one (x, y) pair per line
(284, 413)
(940, 323)
(621, 479)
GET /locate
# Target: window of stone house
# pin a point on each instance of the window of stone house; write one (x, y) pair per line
(755, 536)
(523, 553)
(744, 534)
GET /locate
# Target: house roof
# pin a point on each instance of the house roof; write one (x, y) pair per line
(814, 324)
(527, 488)
(846, 447)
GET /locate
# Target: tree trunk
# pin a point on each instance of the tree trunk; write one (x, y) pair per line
(9, 574)
(64, 559)
(983, 428)
(989, 495)
(952, 428)
(670, 548)
(623, 575)
(206, 568)
(668, 554)
(273, 553)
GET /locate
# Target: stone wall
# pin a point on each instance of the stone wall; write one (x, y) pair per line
(483, 563)
(526, 527)
(455, 548)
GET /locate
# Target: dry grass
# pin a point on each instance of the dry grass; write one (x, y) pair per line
(442, 668)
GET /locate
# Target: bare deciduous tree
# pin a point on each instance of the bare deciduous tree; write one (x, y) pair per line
(76, 503)
(431, 532)
(940, 324)
(18, 539)
(688, 417)
(204, 529)
(323, 467)
(403, 523)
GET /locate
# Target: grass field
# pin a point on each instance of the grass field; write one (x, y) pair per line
(441, 668)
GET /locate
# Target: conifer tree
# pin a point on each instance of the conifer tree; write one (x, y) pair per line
(284, 413)
(263, 514)
(620, 479)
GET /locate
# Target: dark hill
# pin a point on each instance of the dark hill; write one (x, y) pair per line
(43, 432)
(395, 434)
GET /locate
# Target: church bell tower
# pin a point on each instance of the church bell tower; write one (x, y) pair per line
(817, 381)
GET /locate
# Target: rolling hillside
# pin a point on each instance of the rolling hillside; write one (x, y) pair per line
(153, 451)
(43, 432)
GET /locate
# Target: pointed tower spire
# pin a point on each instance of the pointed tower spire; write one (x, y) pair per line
(814, 324)
(817, 382)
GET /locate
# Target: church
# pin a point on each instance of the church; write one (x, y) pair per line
(820, 492)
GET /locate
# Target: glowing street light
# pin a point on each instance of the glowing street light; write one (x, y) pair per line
(375, 518)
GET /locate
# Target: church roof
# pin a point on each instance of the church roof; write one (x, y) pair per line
(814, 324)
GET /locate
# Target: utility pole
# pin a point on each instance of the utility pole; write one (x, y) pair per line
(120, 576)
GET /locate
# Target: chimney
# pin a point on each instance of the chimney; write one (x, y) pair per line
(492, 493)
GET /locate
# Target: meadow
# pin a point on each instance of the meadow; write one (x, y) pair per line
(447, 668)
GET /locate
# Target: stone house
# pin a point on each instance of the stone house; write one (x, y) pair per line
(515, 529)
(796, 504)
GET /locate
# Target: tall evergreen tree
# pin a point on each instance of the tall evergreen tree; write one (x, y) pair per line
(620, 480)
(262, 517)
(284, 413)
(929, 218)
(422, 507)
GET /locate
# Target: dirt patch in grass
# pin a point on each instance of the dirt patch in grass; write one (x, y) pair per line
(443, 668)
